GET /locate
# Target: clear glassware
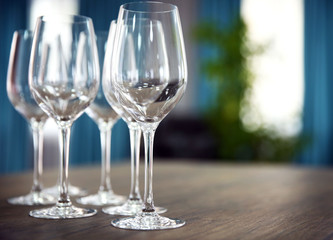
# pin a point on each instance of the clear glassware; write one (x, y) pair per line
(105, 117)
(133, 205)
(20, 96)
(64, 80)
(149, 88)
(73, 191)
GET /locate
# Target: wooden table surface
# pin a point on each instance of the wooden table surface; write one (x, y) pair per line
(217, 201)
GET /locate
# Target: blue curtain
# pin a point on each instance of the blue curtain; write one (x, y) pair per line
(85, 142)
(318, 62)
(222, 12)
(15, 137)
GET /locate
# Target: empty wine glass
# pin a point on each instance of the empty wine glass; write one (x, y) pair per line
(149, 89)
(105, 117)
(64, 80)
(20, 96)
(133, 205)
(73, 191)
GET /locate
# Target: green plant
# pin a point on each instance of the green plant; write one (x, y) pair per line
(229, 74)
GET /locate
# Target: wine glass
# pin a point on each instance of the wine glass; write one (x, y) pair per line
(133, 205)
(64, 80)
(149, 89)
(73, 191)
(20, 96)
(105, 117)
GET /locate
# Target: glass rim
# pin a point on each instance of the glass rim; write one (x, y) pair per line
(64, 18)
(170, 7)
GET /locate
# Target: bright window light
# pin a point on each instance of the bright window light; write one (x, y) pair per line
(45, 7)
(276, 99)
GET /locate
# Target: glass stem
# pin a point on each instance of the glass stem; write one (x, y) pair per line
(105, 134)
(135, 138)
(148, 134)
(37, 133)
(64, 138)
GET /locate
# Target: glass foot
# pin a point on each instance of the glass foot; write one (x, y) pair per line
(57, 212)
(147, 221)
(72, 191)
(102, 198)
(33, 198)
(129, 208)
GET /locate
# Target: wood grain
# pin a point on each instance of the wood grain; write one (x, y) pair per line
(218, 201)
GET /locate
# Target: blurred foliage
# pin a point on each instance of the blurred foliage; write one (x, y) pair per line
(230, 76)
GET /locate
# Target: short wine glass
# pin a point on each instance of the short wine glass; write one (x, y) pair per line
(64, 80)
(133, 205)
(105, 117)
(20, 96)
(151, 87)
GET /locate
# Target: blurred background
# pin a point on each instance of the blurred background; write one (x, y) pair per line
(259, 81)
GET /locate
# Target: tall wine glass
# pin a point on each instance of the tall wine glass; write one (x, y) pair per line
(105, 117)
(64, 80)
(20, 96)
(150, 88)
(133, 205)
(73, 191)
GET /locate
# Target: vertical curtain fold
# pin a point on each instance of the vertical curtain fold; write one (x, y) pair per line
(222, 12)
(15, 138)
(318, 73)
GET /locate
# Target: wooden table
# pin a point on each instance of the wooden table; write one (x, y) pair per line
(218, 201)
